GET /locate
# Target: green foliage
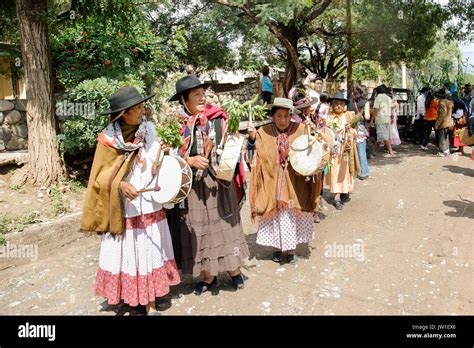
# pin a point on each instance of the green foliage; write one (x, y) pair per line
(441, 65)
(17, 188)
(57, 206)
(207, 33)
(396, 30)
(77, 186)
(238, 112)
(367, 70)
(169, 130)
(3, 227)
(17, 223)
(9, 23)
(113, 42)
(460, 27)
(469, 78)
(79, 132)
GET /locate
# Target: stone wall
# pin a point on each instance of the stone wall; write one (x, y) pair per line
(243, 91)
(13, 130)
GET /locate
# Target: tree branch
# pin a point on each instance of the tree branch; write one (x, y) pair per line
(313, 13)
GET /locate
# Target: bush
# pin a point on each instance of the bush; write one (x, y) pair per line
(79, 130)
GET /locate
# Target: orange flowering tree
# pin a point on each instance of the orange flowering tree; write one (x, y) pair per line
(112, 40)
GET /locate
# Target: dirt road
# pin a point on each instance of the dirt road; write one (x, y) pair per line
(403, 245)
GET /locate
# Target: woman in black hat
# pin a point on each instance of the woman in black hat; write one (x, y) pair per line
(136, 262)
(207, 231)
(444, 122)
(345, 159)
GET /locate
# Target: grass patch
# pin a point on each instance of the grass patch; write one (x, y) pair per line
(17, 188)
(77, 186)
(3, 229)
(57, 201)
(17, 223)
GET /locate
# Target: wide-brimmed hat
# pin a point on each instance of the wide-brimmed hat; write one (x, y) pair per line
(186, 83)
(305, 102)
(339, 96)
(441, 94)
(284, 103)
(125, 98)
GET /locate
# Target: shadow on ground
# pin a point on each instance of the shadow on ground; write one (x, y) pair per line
(460, 170)
(464, 208)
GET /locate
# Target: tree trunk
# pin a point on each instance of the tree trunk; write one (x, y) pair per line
(45, 166)
(349, 48)
(294, 68)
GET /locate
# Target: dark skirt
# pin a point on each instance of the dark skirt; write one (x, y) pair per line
(206, 230)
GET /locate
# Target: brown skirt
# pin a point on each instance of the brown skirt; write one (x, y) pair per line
(206, 230)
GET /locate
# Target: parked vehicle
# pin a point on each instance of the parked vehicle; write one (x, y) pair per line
(406, 112)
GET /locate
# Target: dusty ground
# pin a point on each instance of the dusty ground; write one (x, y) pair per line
(21, 206)
(409, 229)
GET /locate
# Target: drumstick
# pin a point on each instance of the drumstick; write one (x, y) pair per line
(156, 188)
(154, 167)
(209, 146)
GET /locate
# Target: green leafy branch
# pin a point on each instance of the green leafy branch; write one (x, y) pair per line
(169, 130)
(238, 111)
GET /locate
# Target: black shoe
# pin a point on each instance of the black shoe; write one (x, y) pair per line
(337, 203)
(277, 256)
(292, 259)
(345, 198)
(203, 286)
(138, 311)
(238, 281)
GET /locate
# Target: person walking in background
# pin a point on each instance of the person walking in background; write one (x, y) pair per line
(360, 105)
(265, 85)
(318, 86)
(419, 118)
(393, 130)
(460, 115)
(322, 108)
(382, 114)
(431, 113)
(443, 122)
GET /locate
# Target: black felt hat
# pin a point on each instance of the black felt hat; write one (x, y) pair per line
(186, 83)
(125, 98)
(339, 96)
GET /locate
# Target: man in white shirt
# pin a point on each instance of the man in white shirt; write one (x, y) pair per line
(383, 113)
(420, 113)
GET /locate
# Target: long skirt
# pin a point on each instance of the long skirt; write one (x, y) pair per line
(394, 137)
(286, 229)
(456, 140)
(139, 265)
(207, 231)
(339, 177)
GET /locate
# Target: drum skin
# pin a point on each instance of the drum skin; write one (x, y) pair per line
(305, 155)
(174, 178)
